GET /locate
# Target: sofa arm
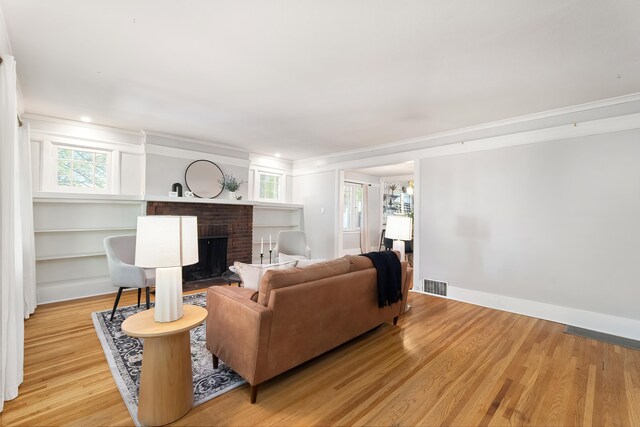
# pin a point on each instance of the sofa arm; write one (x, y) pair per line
(238, 331)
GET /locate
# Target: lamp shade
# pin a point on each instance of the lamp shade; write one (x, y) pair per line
(398, 228)
(166, 241)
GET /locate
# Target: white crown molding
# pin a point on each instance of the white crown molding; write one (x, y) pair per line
(634, 97)
(182, 153)
(575, 130)
(601, 322)
(103, 128)
(196, 141)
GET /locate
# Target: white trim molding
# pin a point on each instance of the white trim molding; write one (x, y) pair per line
(181, 153)
(601, 322)
(556, 133)
(426, 141)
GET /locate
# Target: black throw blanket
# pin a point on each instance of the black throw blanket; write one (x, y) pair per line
(389, 272)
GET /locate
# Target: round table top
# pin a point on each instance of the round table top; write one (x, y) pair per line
(143, 324)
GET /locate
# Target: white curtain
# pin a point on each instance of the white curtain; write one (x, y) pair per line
(365, 246)
(25, 196)
(16, 234)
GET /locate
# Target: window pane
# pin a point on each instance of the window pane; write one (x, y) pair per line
(352, 206)
(269, 187)
(82, 174)
(64, 172)
(82, 168)
(100, 175)
(64, 153)
(86, 156)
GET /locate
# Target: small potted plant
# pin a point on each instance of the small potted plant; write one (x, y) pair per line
(231, 184)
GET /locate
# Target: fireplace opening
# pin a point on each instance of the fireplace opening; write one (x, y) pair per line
(212, 260)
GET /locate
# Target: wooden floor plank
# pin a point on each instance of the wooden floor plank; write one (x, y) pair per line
(445, 363)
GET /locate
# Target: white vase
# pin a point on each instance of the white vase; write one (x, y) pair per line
(232, 195)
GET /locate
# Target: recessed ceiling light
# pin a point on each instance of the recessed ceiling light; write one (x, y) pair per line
(86, 119)
(277, 154)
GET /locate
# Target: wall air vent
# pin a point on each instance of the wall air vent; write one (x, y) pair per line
(435, 287)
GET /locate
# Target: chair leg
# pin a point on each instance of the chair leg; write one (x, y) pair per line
(113, 312)
(254, 393)
(215, 361)
(139, 293)
(148, 298)
(395, 320)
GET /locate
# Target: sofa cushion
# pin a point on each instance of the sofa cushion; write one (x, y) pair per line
(302, 261)
(358, 263)
(275, 279)
(252, 273)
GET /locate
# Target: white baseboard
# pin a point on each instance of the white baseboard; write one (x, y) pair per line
(74, 289)
(609, 324)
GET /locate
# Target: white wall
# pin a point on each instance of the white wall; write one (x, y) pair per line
(552, 227)
(319, 195)
(169, 157)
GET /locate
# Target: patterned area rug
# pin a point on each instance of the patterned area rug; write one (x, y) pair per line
(124, 355)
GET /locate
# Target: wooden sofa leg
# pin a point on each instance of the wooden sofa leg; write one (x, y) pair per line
(215, 361)
(395, 320)
(254, 393)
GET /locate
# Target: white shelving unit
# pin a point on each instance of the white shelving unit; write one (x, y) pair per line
(270, 219)
(69, 230)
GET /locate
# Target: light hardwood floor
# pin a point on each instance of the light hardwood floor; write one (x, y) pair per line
(446, 363)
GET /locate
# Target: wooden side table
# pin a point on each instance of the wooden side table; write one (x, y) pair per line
(166, 383)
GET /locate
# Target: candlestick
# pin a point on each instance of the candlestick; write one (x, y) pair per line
(261, 245)
(270, 256)
(261, 256)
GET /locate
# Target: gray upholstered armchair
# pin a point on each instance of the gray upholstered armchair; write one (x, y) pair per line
(292, 243)
(121, 251)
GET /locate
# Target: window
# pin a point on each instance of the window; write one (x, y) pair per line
(270, 186)
(81, 170)
(352, 208)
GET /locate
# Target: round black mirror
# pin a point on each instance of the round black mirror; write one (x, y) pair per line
(203, 179)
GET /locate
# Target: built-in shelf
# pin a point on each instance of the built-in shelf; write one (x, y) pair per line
(44, 197)
(70, 256)
(75, 230)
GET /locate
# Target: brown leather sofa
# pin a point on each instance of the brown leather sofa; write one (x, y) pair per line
(296, 315)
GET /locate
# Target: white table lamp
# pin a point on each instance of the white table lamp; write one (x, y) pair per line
(166, 243)
(398, 229)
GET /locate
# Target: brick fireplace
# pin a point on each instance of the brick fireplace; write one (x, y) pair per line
(216, 220)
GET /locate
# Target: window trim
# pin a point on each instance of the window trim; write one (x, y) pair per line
(281, 185)
(50, 168)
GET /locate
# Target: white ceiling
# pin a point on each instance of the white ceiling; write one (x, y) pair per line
(306, 78)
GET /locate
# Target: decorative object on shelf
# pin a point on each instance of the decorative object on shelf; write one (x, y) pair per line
(393, 188)
(188, 194)
(177, 187)
(261, 249)
(173, 194)
(203, 179)
(231, 184)
(398, 229)
(167, 243)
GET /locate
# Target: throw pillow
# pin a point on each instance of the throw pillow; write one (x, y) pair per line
(302, 261)
(252, 273)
